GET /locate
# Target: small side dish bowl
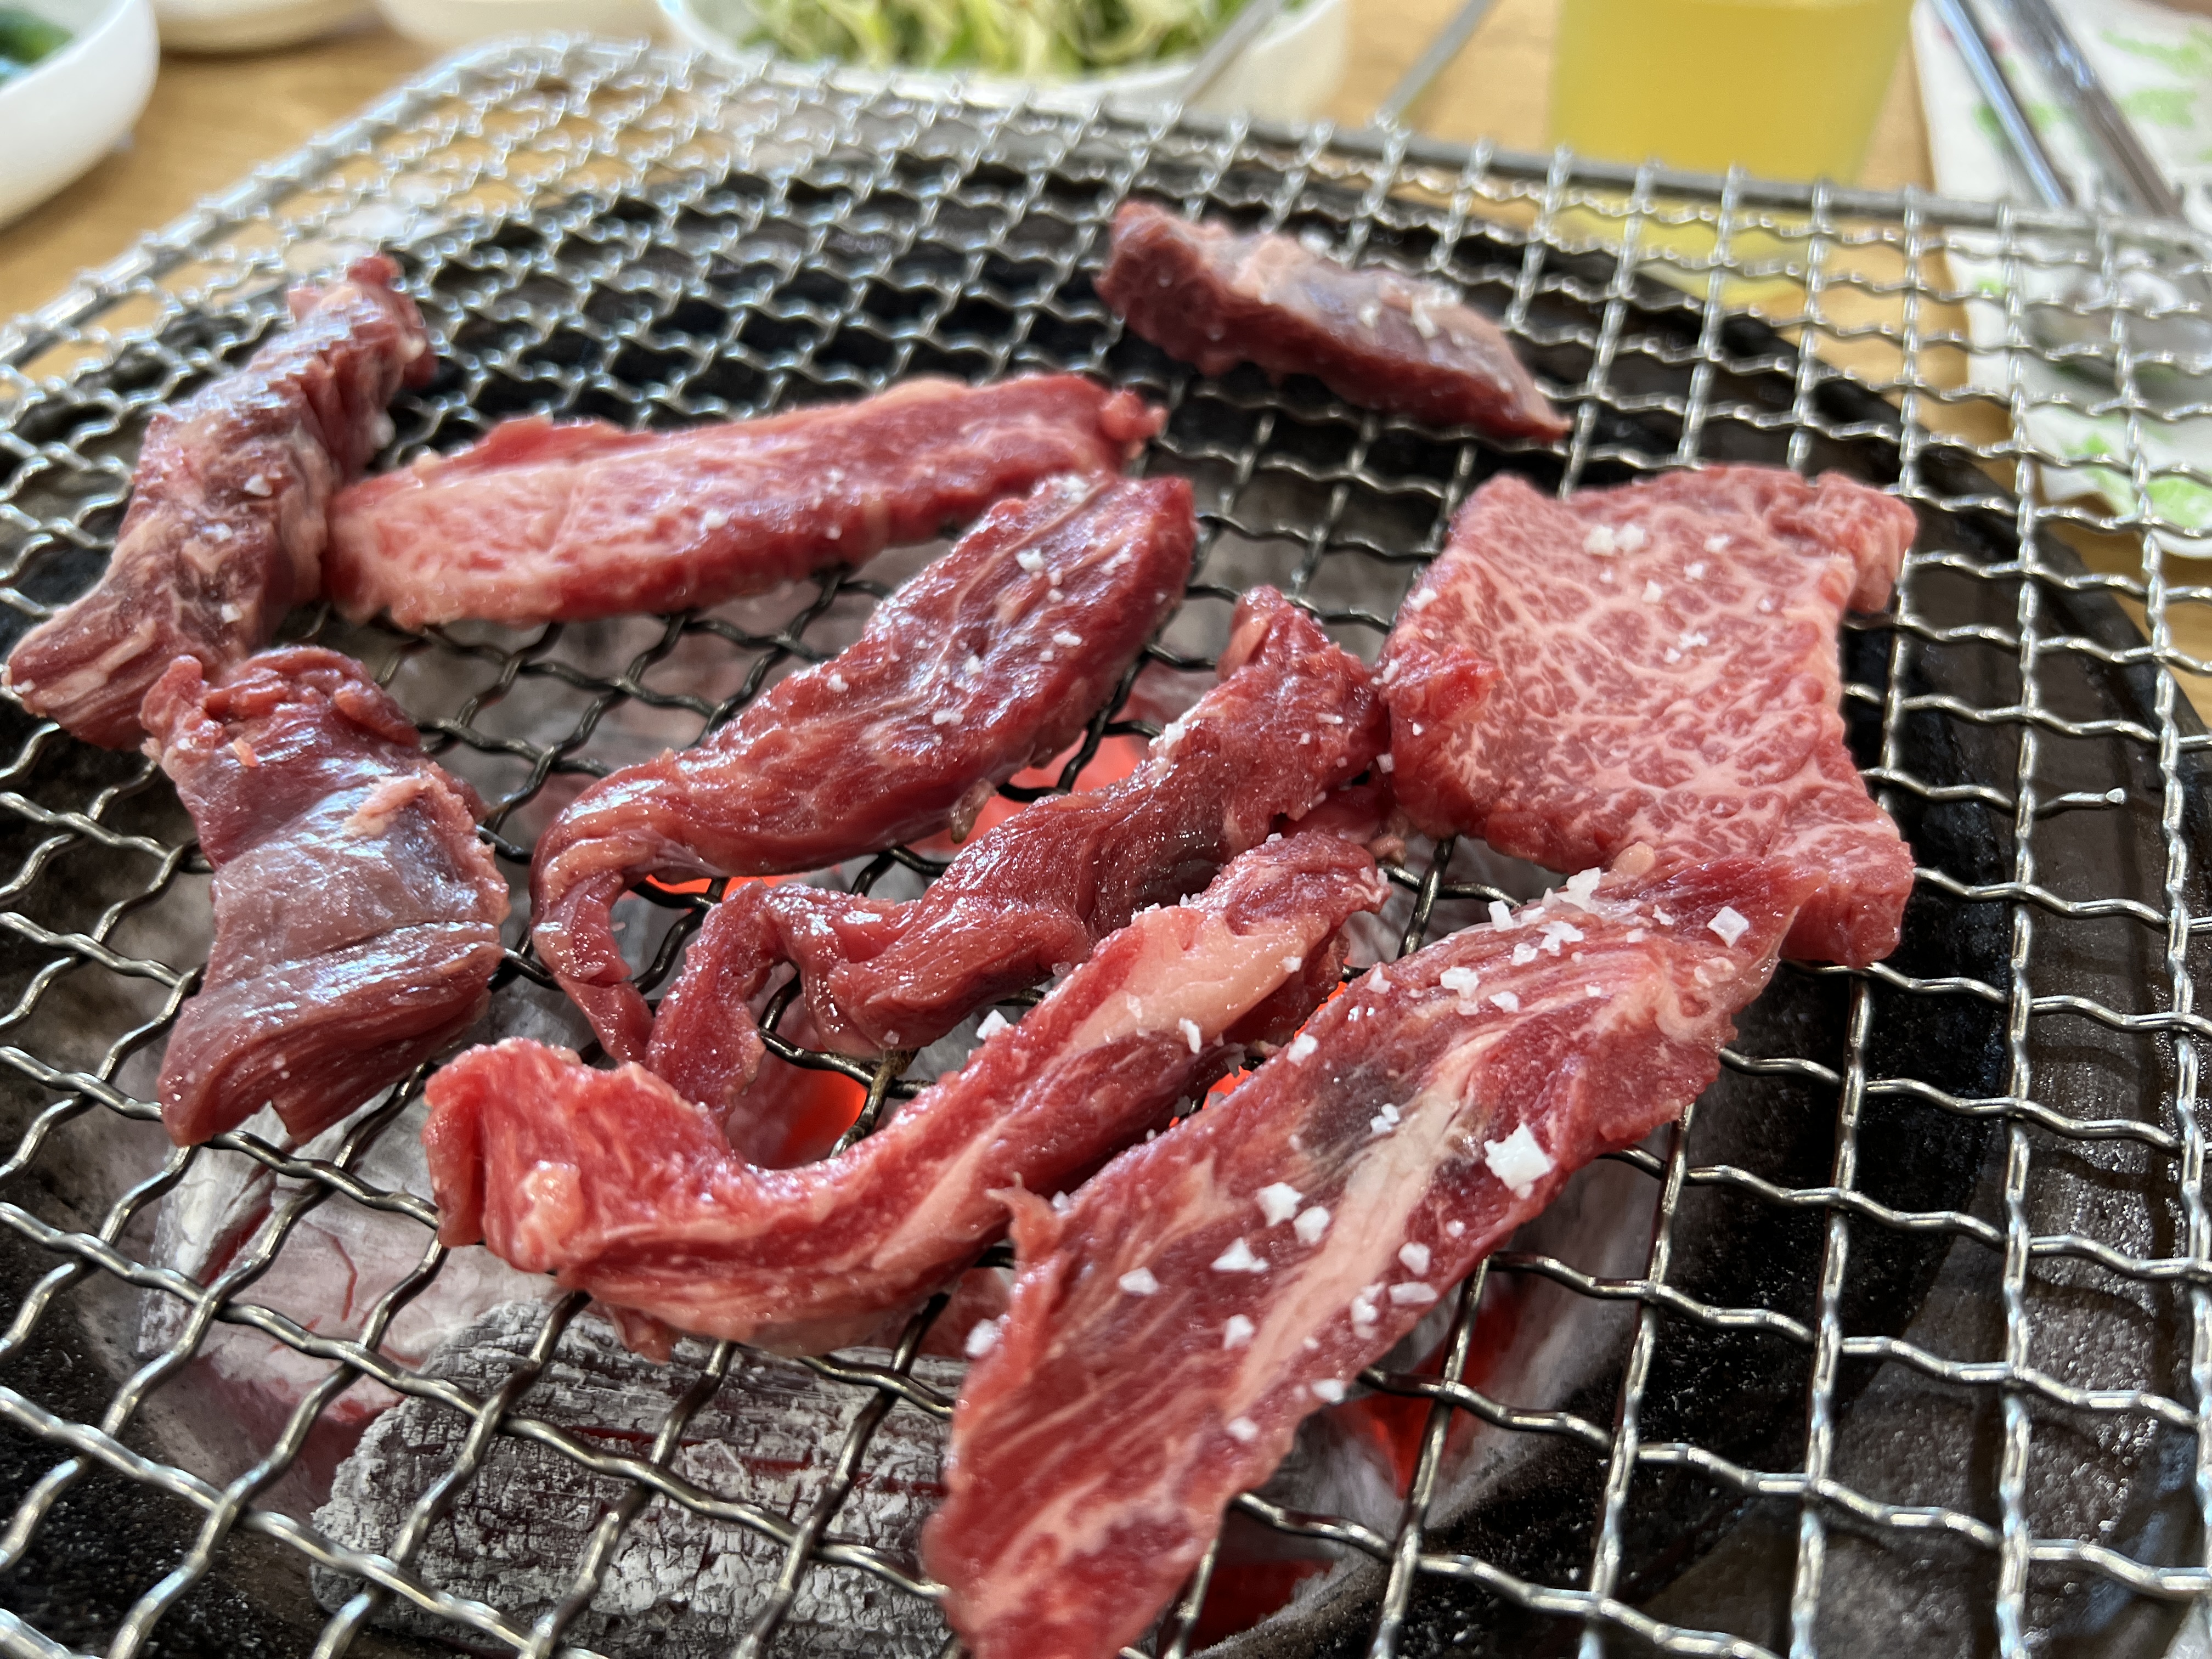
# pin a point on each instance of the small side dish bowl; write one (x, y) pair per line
(70, 108)
(1288, 74)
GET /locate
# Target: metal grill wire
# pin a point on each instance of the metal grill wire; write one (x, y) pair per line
(603, 232)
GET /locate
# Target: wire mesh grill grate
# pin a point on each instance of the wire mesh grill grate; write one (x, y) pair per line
(2019, 1428)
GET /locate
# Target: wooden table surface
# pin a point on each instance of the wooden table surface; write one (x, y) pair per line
(212, 118)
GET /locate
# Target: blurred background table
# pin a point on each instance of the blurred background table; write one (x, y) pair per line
(212, 118)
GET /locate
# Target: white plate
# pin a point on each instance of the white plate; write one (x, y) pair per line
(448, 23)
(61, 116)
(1288, 74)
(252, 25)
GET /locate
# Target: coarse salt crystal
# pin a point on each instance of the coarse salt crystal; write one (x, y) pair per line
(1312, 1223)
(1385, 763)
(256, 485)
(1415, 1256)
(1412, 1295)
(231, 612)
(1579, 888)
(1717, 543)
(1501, 913)
(1030, 560)
(1302, 1047)
(1595, 992)
(1653, 592)
(1523, 954)
(973, 666)
(836, 682)
(1635, 936)
(1421, 599)
(1053, 593)
(1632, 537)
(1363, 1309)
(983, 1339)
(218, 533)
(1459, 981)
(1695, 570)
(1601, 541)
(1691, 640)
(1238, 1333)
(1061, 1203)
(1518, 1160)
(1243, 1430)
(1670, 654)
(1238, 1259)
(1065, 639)
(1278, 1202)
(1729, 923)
(945, 717)
(1660, 911)
(1455, 1229)
(1291, 964)
(994, 1023)
(1328, 1390)
(1190, 1034)
(1506, 1000)
(1140, 1282)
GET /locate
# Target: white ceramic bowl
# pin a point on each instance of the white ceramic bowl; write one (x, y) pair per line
(448, 23)
(62, 114)
(1288, 74)
(252, 25)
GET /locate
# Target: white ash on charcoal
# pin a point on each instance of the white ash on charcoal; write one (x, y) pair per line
(337, 1262)
(678, 1584)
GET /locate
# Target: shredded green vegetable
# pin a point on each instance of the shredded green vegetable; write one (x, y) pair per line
(1027, 39)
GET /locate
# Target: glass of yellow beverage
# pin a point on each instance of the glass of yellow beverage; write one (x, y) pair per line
(1788, 88)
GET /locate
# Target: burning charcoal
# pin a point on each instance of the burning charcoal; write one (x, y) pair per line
(678, 1585)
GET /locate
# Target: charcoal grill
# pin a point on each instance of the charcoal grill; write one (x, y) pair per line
(1918, 1350)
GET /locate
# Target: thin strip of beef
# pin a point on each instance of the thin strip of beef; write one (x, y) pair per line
(1373, 335)
(991, 660)
(226, 525)
(1171, 1326)
(621, 1186)
(356, 913)
(1656, 664)
(1293, 716)
(540, 522)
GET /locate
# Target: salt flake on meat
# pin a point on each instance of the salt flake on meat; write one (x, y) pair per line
(1328, 1391)
(1534, 705)
(1302, 1047)
(1238, 1333)
(1311, 1224)
(567, 522)
(1509, 1001)
(1728, 925)
(994, 1023)
(1238, 1259)
(1415, 1256)
(1412, 1295)
(888, 742)
(1280, 1201)
(1243, 1430)
(1518, 1160)
(1138, 1282)
(248, 464)
(1203, 294)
